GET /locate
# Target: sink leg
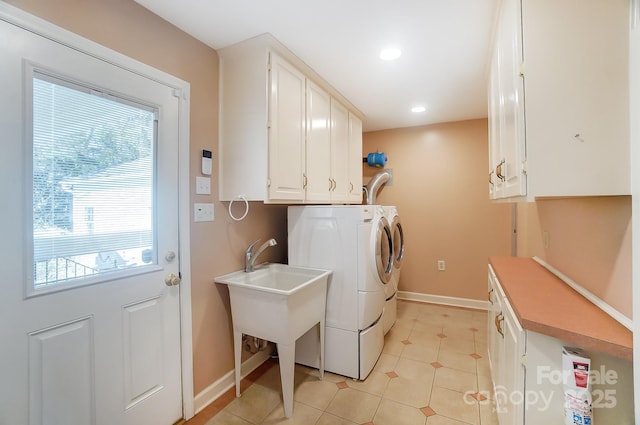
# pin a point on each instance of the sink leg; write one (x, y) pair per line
(321, 350)
(237, 353)
(287, 354)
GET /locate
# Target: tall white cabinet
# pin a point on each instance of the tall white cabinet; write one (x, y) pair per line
(286, 136)
(558, 99)
(286, 131)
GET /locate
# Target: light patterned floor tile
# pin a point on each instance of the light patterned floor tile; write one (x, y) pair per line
(354, 405)
(393, 413)
(463, 332)
(404, 379)
(485, 385)
(409, 391)
(225, 418)
(314, 392)
(443, 420)
(420, 351)
(329, 419)
(454, 405)
(457, 361)
(302, 415)
(413, 369)
(393, 348)
(375, 384)
(464, 346)
(456, 380)
(386, 363)
(255, 403)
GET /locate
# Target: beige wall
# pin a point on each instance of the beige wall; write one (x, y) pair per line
(589, 240)
(218, 247)
(440, 189)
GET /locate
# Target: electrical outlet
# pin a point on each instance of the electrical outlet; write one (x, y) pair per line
(441, 265)
(203, 212)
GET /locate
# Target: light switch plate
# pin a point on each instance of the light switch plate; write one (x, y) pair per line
(203, 212)
(203, 185)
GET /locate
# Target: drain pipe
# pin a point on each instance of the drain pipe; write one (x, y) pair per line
(375, 184)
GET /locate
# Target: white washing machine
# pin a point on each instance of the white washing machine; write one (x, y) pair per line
(354, 241)
(391, 290)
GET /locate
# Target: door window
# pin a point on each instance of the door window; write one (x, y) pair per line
(93, 184)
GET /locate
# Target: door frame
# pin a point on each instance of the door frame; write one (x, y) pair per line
(36, 25)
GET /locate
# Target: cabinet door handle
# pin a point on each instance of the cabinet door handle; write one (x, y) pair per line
(498, 321)
(304, 181)
(330, 185)
(499, 170)
(489, 296)
(350, 187)
(491, 177)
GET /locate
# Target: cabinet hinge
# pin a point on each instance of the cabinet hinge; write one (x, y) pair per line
(268, 66)
(524, 167)
(521, 69)
(268, 182)
(268, 124)
(523, 360)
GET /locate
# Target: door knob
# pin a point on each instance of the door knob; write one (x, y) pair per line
(172, 280)
(170, 256)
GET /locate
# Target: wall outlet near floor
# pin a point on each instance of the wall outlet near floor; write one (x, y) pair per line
(441, 265)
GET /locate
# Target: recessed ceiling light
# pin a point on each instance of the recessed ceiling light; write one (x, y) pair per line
(390, 54)
(418, 109)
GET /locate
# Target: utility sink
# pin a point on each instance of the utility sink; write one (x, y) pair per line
(278, 303)
(275, 278)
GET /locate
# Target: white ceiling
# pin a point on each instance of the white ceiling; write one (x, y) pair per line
(444, 44)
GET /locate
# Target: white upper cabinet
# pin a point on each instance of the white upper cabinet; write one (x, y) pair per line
(355, 159)
(284, 132)
(318, 169)
(340, 152)
(558, 99)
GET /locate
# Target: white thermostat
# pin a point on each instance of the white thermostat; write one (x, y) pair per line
(206, 162)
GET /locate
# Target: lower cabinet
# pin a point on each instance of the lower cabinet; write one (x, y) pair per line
(506, 354)
(526, 369)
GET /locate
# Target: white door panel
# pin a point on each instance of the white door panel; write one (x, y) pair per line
(105, 353)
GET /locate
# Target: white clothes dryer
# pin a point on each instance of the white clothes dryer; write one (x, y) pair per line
(354, 241)
(391, 290)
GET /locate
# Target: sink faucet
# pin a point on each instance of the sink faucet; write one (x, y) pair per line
(250, 256)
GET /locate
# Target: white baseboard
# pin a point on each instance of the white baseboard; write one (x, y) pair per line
(444, 300)
(215, 390)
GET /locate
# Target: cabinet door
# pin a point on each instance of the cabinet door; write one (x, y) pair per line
(577, 90)
(512, 368)
(286, 131)
(355, 159)
(495, 152)
(493, 312)
(510, 169)
(318, 164)
(339, 152)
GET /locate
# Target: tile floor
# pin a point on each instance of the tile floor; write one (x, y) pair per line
(433, 371)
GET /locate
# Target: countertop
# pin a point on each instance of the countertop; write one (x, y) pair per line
(545, 304)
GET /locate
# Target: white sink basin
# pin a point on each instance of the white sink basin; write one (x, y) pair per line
(276, 278)
(279, 303)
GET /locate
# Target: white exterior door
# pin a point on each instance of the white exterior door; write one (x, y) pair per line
(90, 331)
